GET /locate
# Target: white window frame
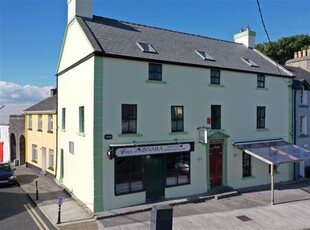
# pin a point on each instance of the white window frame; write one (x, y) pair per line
(34, 153)
(40, 122)
(71, 147)
(204, 55)
(303, 124)
(30, 121)
(303, 96)
(249, 62)
(51, 159)
(50, 123)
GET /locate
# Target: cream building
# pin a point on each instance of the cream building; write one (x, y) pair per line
(132, 100)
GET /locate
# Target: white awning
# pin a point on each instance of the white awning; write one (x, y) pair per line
(274, 151)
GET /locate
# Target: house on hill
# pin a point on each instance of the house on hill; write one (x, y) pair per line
(147, 113)
(40, 125)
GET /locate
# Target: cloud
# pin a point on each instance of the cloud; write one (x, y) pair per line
(11, 93)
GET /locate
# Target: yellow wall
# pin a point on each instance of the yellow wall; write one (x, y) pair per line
(43, 139)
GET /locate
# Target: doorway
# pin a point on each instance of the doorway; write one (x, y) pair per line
(216, 153)
(154, 177)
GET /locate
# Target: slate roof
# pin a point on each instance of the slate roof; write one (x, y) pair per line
(7, 110)
(48, 105)
(115, 38)
(302, 77)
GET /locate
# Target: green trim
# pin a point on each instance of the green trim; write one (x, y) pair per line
(218, 130)
(64, 43)
(290, 126)
(216, 86)
(262, 89)
(262, 130)
(98, 135)
(156, 82)
(131, 135)
(248, 178)
(178, 133)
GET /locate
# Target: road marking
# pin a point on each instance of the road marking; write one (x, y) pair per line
(36, 218)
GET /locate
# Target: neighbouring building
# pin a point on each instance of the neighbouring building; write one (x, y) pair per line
(300, 67)
(40, 125)
(10, 144)
(132, 100)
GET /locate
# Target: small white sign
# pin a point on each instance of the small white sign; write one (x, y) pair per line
(149, 150)
(60, 200)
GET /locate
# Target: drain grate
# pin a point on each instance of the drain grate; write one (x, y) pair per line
(244, 218)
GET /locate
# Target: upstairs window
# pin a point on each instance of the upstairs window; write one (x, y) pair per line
(261, 117)
(260, 81)
(81, 119)
(177, 119)
(129, 119)
(303, 125)
(303, 96)
(63, 118)
(204, 55)
(155, 72)
(30, 122)
(40, 122)
(215, 117)
(145, 47)
(249, 62)
(215, 77)
(50, 123)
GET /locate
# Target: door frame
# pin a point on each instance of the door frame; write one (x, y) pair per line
(43, 166)
(217, 137)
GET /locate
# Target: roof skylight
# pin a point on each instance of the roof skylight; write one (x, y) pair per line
(204, 55)
(145, 47)
(249, 62)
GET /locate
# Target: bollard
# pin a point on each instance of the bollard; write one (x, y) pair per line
(161, 217)
(37, 191)
(60, 201)
(59, 210)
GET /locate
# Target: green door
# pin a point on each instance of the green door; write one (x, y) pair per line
(154, 176)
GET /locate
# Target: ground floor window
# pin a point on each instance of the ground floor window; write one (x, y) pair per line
(177, 169)
(246, 165)
(129, 174)
(34, 153)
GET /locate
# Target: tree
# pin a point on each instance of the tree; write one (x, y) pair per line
(284, 48)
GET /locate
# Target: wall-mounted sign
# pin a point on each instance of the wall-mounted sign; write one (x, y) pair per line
(216, 141)
(149, 150)
(108, 136)
(203, 135)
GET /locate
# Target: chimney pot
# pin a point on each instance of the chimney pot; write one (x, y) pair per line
(295, 55)
(299, 54)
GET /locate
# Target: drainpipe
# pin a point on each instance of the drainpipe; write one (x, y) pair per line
(294, 125)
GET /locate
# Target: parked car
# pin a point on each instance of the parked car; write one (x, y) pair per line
(7, 174)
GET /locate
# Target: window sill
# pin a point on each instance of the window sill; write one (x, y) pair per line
(81, 134)
(50, 131)
(303, 135)
(262, 130)
(63, 130)
(216, 85)
(261, 89)
(178, 133)
(39, 130)
(248, 178)
(130, 135)
(303, 106)
(30, 129)
(156, 82)
(51, 168)
(34, 161)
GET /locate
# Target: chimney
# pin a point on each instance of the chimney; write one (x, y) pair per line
(246, 37)
(82, 8)
(53, 92)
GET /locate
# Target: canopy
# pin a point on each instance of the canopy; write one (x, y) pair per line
(275, 151)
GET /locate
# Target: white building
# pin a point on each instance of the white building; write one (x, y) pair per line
(131, 98)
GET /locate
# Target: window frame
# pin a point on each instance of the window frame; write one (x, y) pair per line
(260, 117)
(153, 73)
(215, 77)
(303, 96)
(249, 62)
(34, 153)
(146, 47)
(40, 122)
(63, 118)
(51, 156)
(216, 117)
(50, 123)
(261, 79)
(178, 169)
(81, 119)
(246, 165)
(130, 119)
(30, 121)
(303, 125)
(204, 55)
(130, 176)
(177, 120)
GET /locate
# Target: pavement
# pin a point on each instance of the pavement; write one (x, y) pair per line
(248, 208)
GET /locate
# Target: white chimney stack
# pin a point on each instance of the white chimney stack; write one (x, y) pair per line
(83, 8)
(246, 37)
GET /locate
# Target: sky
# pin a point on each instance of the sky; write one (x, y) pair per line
(32, 31)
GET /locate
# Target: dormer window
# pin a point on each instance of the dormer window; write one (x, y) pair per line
(249, 62)
(204, 55)
(145, 47)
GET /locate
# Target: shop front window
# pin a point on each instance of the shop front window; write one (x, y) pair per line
(177, 169)
(129, 173)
